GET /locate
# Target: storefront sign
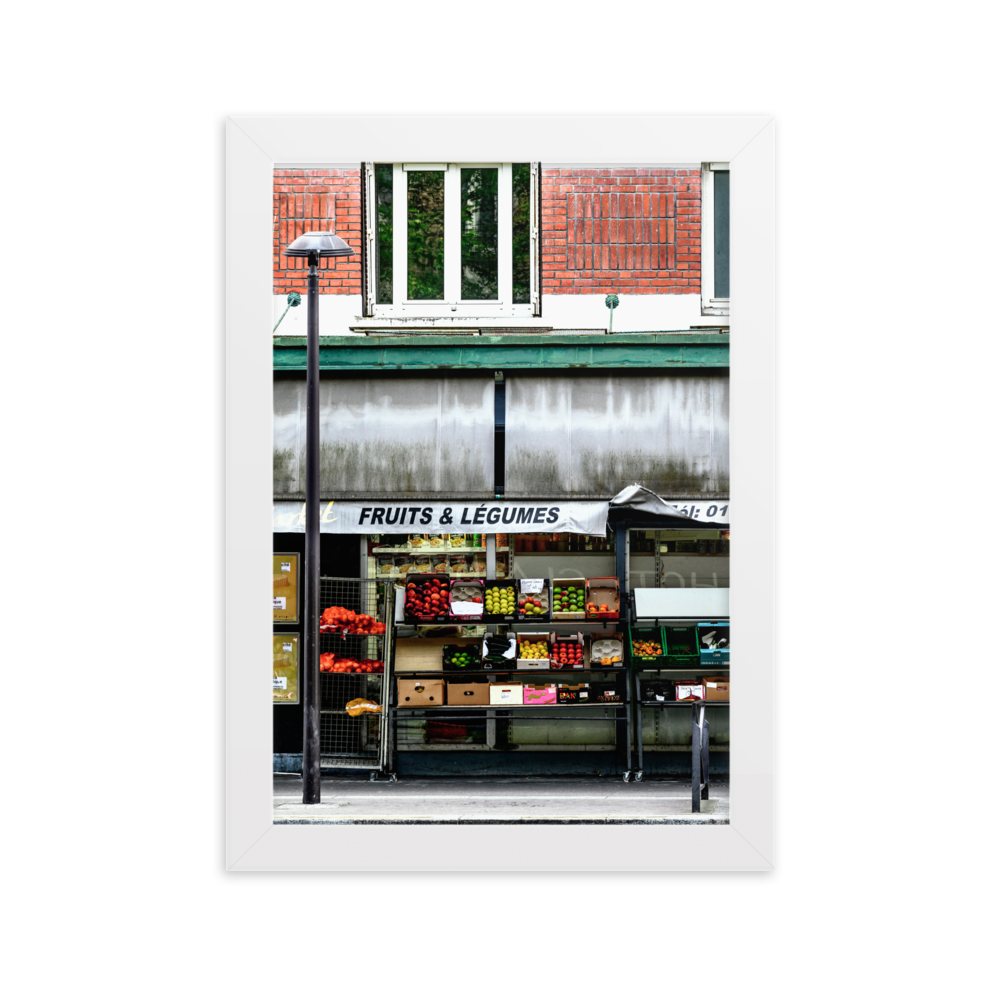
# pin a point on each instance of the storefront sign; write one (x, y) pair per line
(381, 517)
(713, 511)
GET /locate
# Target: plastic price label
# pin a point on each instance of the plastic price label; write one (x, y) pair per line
(281, 683)
(532, 586)
(279, 604)
(286, 647)
(286, 567)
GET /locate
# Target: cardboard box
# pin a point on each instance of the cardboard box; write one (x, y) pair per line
(573, 694)
(414, 692)
(422, 654)
(689, 691)
(468, 693)
(607, 647)
(491, 587)
(659, 690)
(539, 694)
(539, 664)
(420, 581)
(526, 590)
(716, 688)
(506, 694)
(603, 590)
(563, 583)
(605, 692)
(713, 643)
(505, 657)
(466, 601)
(451, 651)
(574, 638)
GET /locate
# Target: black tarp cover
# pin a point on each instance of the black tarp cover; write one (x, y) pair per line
(637, 504)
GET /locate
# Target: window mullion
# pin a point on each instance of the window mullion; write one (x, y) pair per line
(707, 249)
(452, 233)
(505, 239)
(535, 268)
(399, 235)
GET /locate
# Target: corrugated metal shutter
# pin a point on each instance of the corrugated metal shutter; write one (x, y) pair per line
(590, 436)
(389, 437)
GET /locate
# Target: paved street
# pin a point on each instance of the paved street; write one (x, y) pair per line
(497, 800)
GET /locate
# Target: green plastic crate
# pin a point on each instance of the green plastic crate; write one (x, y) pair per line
(654, 634)
(680, 642)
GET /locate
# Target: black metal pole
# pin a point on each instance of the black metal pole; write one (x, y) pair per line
(310, 668)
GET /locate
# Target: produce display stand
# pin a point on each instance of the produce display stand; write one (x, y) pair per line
(666, 672)
(346, 741)
(619, 713)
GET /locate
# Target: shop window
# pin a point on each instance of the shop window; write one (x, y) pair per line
(715, 239)
(685, 558)
(451, 240)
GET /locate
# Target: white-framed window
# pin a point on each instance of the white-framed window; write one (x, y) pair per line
(715, 239)
(451, 239)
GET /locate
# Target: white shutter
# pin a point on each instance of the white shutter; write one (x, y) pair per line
(536, 249)
(371, 235)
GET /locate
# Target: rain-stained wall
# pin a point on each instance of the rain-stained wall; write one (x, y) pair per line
(590, 436)
(388, 437)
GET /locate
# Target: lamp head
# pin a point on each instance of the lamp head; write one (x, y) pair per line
(320, 244)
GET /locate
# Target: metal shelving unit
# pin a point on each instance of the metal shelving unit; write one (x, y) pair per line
(699, 721)
(381, 550)
(356, 742)
(488, 716)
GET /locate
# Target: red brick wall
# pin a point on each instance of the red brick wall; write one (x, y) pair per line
(634, 231)
(317, 199)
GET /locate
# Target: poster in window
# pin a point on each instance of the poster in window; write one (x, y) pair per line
(286, 668)
(286, 587)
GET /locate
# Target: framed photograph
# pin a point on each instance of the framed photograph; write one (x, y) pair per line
(286, 588)
(285, 682)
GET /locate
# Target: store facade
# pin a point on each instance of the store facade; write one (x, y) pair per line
(478, 415)
(495, 459)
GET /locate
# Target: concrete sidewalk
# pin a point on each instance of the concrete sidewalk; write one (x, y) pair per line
(351, 800)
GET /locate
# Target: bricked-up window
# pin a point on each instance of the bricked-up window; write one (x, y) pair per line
(303, 213)
(316, 199)
(451, 240)
(715, 239)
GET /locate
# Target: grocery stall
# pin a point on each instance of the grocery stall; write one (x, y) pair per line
(588, 667)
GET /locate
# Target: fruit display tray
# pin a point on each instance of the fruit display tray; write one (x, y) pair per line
(452, 655)
(468, 593)
(420, 581)
(495, 618)
(563, 584)
(606, 648)
(543, 597)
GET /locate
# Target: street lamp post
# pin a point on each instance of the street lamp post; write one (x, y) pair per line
(313, 246)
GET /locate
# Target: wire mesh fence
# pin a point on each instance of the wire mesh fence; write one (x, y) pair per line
(353, 626)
